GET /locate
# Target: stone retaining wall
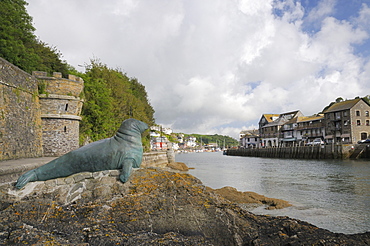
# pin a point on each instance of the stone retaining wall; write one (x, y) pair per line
(20, 116)
(158, 159)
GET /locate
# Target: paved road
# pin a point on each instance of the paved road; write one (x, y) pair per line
(10, 170)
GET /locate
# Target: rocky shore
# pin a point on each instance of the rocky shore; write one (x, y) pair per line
(157, 206)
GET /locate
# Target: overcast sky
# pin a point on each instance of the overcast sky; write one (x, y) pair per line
(215, 66)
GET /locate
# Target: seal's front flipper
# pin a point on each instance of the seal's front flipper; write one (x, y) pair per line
(25, 178)
(126, 169)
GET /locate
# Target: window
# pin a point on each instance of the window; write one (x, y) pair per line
(363, 135)
(367, 113)
(367, 123)
(359, 122)
(66, 108)
(65, 129)
(357, 113)
(345, 113)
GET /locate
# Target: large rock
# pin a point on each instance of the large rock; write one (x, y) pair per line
(252, 198)
(155, 207)
(178, 166)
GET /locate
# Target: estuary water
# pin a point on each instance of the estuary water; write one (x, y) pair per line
(331, 194)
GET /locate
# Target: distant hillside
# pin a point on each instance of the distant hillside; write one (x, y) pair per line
(219, 139)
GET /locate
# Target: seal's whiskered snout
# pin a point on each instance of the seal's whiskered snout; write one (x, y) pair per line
(133, 124)
(143, 126)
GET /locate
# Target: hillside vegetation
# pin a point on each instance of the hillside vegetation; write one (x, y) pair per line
(220, 140)
(110, 97)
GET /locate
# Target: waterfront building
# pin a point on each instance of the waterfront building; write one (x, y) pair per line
(309, 128)
(272, 133)
(289, 132)
(267, 134)
(344, 122)
(347, 121)
(159, 143)
(190, 142)
(249, 139)
(266, 119)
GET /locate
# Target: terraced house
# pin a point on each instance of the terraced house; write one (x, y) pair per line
(344, 122)
(347, 121)
(273, 127)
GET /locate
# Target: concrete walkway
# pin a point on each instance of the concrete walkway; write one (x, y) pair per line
(10, 170)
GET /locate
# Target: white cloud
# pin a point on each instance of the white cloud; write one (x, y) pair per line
(215, 66)
(363, 18)
(321, 11)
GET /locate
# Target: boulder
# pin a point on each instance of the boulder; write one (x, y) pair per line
(249, 197)
(178, 166)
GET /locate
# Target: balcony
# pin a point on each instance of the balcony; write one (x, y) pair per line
(287, 128)
(310, 127)
(269, 135)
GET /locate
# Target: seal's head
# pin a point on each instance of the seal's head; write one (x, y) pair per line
(132, 126)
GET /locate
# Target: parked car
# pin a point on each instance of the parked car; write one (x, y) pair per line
(365, 141)
(316, 141)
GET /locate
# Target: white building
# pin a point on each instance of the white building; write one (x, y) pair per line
(249, 139)
(190, 142)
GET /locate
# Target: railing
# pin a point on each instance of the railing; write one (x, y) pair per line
(309, 127)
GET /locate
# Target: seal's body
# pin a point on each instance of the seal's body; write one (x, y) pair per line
(122, 151)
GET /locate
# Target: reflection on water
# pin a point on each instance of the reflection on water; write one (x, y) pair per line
(331, 194)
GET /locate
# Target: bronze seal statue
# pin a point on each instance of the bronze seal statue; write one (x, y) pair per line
(122, 151)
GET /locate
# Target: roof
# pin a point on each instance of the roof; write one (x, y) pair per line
(340, 106)
(294, 120)
(249, 132)
(269, 117)
(292, 112)
(311, 118)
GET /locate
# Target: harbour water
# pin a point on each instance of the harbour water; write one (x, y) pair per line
(331, 194)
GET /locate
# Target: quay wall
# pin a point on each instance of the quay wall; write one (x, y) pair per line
(299, 152)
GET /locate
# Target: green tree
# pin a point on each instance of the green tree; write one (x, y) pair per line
(97, 111)
(18, 43)
(17, 34)
(339, 99)
(111, 97)
(50, 59)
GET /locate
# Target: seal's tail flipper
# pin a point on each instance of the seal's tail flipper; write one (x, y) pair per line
(25, 178)
(126, 169)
